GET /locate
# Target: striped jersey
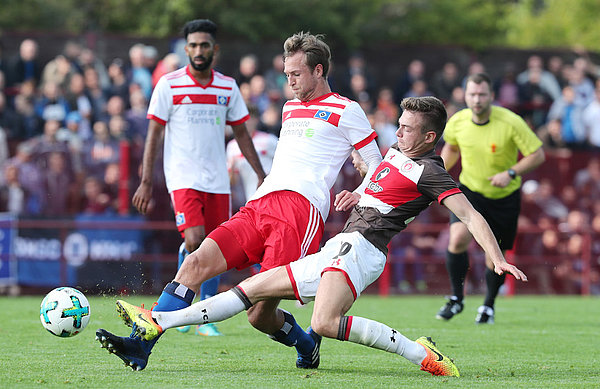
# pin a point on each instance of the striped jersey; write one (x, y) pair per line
(316, 139)
(194, 117)
(398, 191)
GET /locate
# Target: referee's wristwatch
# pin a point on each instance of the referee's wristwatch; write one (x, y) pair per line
(512, 173)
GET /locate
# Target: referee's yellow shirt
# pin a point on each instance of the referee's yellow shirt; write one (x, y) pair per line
(490, 148)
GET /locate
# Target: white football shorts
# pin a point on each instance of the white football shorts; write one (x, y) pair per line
(350, 253)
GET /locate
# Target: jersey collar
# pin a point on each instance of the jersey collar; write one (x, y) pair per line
(212, 77)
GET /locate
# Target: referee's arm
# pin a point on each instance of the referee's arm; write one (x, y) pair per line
(450, 154)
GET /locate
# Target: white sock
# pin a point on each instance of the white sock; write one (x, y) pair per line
(377, 335)
(217, 308)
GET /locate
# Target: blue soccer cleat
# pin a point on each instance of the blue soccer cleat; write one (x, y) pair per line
(312, 360)
(130, 350)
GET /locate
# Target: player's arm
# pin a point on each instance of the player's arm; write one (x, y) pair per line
(525, 165)
(247, 147)
(143, 194)
(462, 208)
(366, 160)
(450, 154)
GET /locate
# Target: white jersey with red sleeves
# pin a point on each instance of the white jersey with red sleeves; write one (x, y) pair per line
(195, 116)
(316, 138)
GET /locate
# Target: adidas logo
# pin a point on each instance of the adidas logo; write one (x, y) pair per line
(186, 100)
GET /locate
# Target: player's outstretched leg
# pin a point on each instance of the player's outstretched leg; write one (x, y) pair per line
(307, 344)
(139, 319)
(132, 351)
(435, 362)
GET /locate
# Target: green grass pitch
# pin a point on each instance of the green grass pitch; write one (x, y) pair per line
(537, 342)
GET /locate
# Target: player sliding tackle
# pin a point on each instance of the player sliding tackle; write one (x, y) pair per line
(409, 178)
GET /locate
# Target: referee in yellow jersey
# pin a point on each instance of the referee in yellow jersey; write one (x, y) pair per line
(488, 139)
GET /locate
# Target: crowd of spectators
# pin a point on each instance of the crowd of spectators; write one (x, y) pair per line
(62, 125)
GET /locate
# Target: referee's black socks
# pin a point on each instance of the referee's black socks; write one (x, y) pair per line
(457, 266)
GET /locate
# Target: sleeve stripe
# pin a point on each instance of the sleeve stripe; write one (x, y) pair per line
(242, 120)
(448, 193)
(156, 119)
(365, 141)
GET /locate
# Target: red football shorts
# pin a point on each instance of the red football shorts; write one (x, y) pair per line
(273, 230)
(194, 208)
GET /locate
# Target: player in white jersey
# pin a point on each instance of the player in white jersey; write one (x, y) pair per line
(410, 177)
(239, 168)
(191, 107)
(284, 220)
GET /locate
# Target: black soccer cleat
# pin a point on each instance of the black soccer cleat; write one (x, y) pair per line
(130, 350)
(451, 308)
(485, 315)
(312, 360)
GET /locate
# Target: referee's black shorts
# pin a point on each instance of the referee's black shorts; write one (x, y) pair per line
(501, 214)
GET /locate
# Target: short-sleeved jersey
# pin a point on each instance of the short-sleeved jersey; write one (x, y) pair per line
(490, 148)
(194, 117)
(265, 145)
(398, 191)
(316, 138)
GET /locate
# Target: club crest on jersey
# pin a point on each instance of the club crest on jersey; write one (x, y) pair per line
(179, 219)
(384, 172)
(323, 115)
(407, 166)
(222, 100)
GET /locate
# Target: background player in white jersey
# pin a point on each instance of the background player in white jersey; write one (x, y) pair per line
(410, 177)
(191, 107)
(284, 219)
(240, 170)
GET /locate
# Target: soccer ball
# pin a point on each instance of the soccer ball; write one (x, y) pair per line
(65, 312)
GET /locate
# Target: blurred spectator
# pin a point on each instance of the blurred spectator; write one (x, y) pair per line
(591, 120)
(87, 59)
(9, 120)
(47, 143)
(414, 72)
(587, 181)
(138, 73)
(51, 105)
(112, 174)
(95, 201)
(356, 66)
(506, 88)
(3, 146)
(359, 91)
(551, 135)
(71, 136)
(80, 102)
(248, 67)
(547, 80)
(58, 185)
(474, 68)
(24, 66)
(583, 87)
(258, 93)
(30, 123)
(418, 89)
(276, 80)
(570, 115)
(456, 102)
(137, 121)
(118, 80)
(535, 100)
(386, 131)
(444, 81)
(168, 64)
(13, 195)
(96, 93)
(118, 128)
(555, 65)
(30, 177)
(58, 71)
(99, 151)
(386, 104)
(270, 120)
